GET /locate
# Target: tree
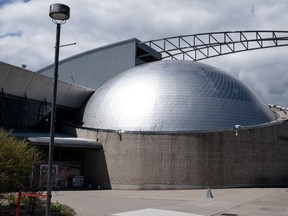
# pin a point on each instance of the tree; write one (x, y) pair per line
(17, 159)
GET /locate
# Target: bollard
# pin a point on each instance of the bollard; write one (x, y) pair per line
(18, 204)
(209, 193)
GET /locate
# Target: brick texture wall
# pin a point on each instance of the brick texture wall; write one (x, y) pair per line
(254, 157)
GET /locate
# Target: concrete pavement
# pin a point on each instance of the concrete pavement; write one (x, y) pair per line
(225, 202)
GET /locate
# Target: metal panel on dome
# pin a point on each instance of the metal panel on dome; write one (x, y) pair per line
(174, 96)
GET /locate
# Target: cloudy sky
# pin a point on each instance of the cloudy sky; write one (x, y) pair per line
(27, 35)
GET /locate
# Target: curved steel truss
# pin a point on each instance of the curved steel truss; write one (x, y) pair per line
(208, 45)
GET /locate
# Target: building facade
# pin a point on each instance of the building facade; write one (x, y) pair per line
(125, 121)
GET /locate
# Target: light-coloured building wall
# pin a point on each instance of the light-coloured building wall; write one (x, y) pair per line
(94, 67)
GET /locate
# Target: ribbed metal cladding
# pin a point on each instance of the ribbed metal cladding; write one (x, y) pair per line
(174, 96)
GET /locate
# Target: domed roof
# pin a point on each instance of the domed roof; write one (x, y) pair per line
(174, 96)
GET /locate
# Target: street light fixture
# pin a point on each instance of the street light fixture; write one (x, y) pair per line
(59, 14)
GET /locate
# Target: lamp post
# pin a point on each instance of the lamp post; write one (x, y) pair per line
(59, 14)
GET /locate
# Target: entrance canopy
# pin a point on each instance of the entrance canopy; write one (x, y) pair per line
(60, 140)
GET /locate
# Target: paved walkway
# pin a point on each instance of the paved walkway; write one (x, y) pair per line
(225, 202)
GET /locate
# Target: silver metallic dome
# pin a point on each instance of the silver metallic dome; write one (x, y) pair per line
(174, 96)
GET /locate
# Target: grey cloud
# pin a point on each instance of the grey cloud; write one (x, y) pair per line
(12, 34)
(95, 23)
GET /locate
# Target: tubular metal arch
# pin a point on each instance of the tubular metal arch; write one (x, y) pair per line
(207, 45)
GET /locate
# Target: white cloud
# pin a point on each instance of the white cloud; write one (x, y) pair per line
(27, 35)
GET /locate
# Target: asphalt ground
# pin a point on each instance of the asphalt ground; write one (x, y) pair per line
(225, 202)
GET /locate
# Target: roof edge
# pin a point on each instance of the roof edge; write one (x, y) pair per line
(87, 52)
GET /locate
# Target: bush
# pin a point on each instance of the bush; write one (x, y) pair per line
(8, 206)
(61, 210)
(17, 158)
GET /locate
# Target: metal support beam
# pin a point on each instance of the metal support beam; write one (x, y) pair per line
(207, 45)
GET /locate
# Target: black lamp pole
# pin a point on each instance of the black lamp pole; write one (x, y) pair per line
(59, 14)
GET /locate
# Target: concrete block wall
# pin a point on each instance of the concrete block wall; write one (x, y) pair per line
(255, 157)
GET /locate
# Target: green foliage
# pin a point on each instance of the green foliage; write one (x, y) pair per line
(31, 206)
(17, 158)
(61, 210)
(11, 198)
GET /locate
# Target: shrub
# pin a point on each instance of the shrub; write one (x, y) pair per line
(8, 206)
(17, 158)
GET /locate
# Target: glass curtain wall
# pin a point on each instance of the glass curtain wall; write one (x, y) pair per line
(24, 114)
